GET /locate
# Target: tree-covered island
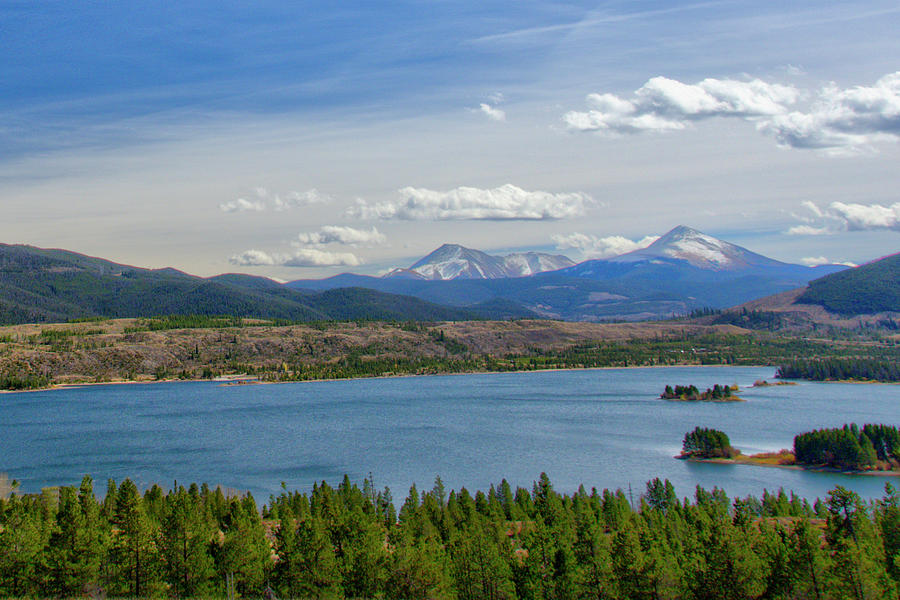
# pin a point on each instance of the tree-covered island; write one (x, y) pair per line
(690, 393)
(871, 449)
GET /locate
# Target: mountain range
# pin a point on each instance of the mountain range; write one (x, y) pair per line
(681, 271)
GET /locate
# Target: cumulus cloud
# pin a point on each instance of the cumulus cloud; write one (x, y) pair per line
(837, 120)
(506, 202)
(301, 257)
(336, 234)
(492, 112)
(265, 198)
(843, 216)
(843, 117)
(605, 247)
(664, 104)
(859, 217)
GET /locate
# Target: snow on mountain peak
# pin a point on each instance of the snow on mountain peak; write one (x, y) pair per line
(452, 261)
(698, 249)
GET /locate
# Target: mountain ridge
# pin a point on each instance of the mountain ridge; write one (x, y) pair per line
(41, 285)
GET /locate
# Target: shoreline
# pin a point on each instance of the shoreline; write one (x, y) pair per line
(748, 460)
(224, 380)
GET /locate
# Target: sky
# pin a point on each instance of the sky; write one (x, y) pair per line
(301, 140)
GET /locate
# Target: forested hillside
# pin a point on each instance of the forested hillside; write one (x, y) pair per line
(871, 288)
(38, 285)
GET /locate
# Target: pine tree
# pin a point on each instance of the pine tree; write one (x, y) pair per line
(21, 550)
(245, 556)
(133, 550)
(306, 564)
(185, 539)
(858, 567)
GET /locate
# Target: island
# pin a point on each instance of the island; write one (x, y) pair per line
(702, 443)
(690, 393)
(761, 383)
(868, 450)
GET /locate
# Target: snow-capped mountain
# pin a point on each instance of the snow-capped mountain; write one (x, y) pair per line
(683, 270)
(452, 261)
(700, 250)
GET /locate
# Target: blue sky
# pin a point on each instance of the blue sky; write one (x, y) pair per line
(305, 140)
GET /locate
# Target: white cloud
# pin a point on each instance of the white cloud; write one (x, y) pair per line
(313, 257)
(808, 230)
(254, 258)
(336, 234)
(843, 117)
(838, 120)
(594, 247)
(241, 205)
(811, 206)
(842, 216)
(860, 217)
(265, 198)
(301, 257)
(664, 104)
(492, 112)
(815, 261)
(507, 202)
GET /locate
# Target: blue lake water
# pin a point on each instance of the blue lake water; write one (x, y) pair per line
(603, 428)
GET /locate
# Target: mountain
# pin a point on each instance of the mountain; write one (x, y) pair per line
(687, 255)
(682, 271)
(865, 290)
(39, 285)
(452, 261)
(698, 250)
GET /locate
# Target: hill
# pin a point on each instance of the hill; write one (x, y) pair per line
(868, 289)
(39, 285)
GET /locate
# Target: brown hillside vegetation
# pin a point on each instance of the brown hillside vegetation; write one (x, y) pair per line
(798, 314)
(122, 349)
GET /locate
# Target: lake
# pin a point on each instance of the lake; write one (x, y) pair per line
(605, 428)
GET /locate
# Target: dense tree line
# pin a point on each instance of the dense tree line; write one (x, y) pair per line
(848, 447)
(351, 542)
(23, 381)
(841, 369)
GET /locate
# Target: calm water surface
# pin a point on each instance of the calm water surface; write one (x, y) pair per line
(602, 428)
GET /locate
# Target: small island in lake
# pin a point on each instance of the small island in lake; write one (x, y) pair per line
(690, 393)
(870, 450)
(760, 383)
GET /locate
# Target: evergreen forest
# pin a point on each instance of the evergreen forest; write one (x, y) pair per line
(849, 447)
(841, 369)
(351, 542)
